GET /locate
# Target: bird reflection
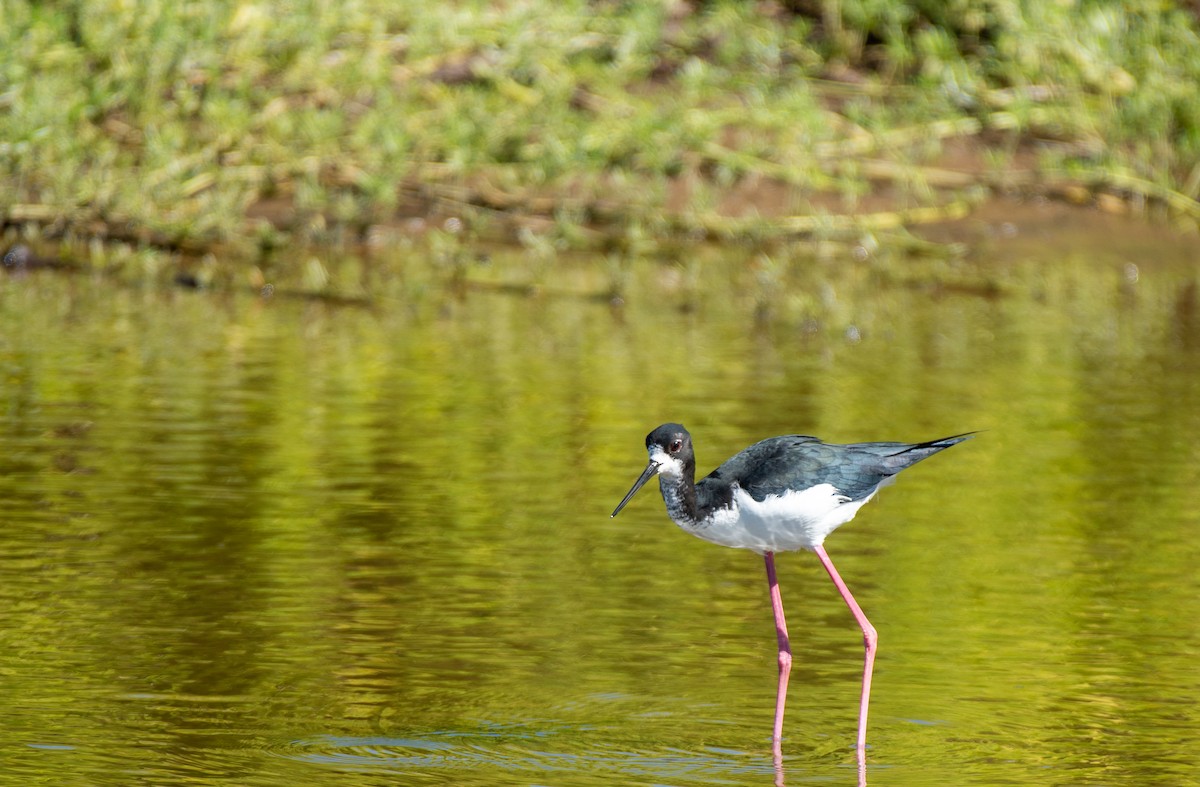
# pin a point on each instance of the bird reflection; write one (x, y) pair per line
(860, 759)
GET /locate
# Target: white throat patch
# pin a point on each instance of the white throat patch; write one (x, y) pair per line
(668, 465)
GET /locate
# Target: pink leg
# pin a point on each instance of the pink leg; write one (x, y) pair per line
(870, 639)
(785, 656)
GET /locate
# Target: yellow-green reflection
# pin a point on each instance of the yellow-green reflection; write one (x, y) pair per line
(264, 541)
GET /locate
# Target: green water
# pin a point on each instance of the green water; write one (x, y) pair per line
(288, 542)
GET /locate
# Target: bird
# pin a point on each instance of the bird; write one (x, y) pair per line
(781, 494)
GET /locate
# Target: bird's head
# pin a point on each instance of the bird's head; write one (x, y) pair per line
(671, 455)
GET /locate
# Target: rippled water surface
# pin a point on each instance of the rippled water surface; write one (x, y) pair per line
(295, 542)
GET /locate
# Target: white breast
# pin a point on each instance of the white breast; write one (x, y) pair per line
(793, 520)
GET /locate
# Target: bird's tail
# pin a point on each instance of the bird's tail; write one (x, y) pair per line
(911, 454)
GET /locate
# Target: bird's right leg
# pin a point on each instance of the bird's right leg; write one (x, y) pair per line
(870, 643)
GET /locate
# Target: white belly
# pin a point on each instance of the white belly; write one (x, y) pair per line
(780, 523)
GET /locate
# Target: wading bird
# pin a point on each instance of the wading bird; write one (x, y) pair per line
(781, 494)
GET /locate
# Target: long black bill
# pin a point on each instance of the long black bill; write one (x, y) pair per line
(650, 471)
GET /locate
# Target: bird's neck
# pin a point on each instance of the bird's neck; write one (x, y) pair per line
(679, 493)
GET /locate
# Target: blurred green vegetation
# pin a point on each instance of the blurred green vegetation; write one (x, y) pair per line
(186, 125)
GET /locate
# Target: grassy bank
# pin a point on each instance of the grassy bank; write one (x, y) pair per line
(251, 124)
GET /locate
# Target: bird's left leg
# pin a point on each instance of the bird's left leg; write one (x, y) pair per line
(785, 654)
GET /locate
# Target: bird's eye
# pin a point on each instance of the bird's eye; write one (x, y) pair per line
(676, 446)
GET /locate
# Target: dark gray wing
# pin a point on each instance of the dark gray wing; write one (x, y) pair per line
(798, 462)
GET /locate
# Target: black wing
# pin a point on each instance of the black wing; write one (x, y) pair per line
(798, 462)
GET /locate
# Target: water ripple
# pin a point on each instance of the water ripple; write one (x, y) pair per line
(525, 751)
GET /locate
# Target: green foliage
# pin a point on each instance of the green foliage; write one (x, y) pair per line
(1125, 72)
(177, 117)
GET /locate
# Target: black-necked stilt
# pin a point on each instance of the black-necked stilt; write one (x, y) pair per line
(781, 494)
